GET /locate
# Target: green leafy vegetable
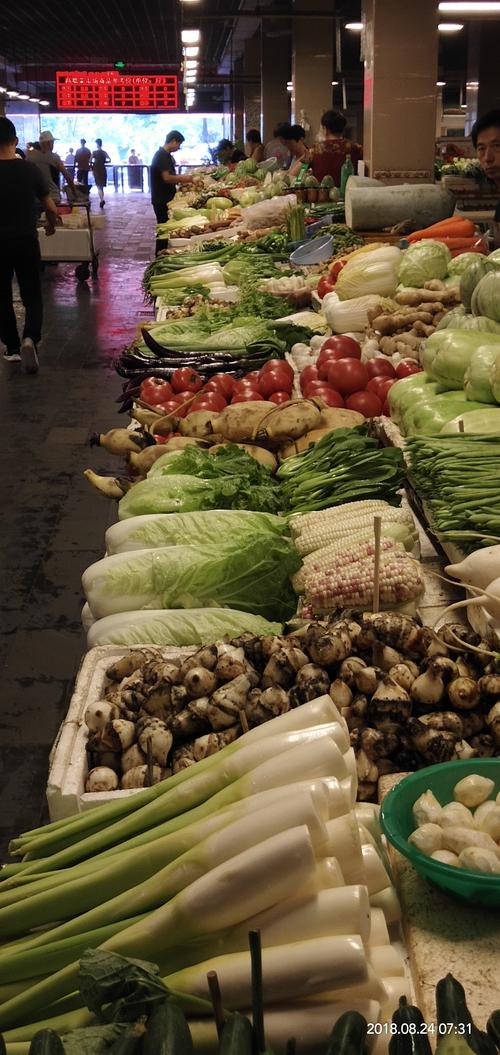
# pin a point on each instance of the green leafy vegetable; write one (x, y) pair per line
(346, 465)
(253, 578)
(229, 460)
(477, 380)
(196, 626)
(174, 529)
(184, 494)
(424, 261)
(119, 989)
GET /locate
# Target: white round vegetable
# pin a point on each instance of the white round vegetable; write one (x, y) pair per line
(446, 857)
(428, 838)
(491, 823)
(482, 811)
(479, 860)
(474, 789)
(458, 839)
(478, 569)
(101, 779)
(456, 814)
(99, 713)
(427, 809)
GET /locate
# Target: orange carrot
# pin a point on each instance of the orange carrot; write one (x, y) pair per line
(452, 228)
(459, 243)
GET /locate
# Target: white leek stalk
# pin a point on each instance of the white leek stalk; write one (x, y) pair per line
(376, 877)
(379, 935)
(388, 901)
(372, 989)
(290, 971)
(344, 843)
(386, 961)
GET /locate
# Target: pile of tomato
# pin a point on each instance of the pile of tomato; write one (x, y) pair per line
(340, 379)
(272, 382)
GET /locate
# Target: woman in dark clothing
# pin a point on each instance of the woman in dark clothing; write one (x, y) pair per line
(100, 159)
(326, 158)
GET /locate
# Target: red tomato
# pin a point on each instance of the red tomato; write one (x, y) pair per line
(155, 390)
(386, 409)
(273, 381)
(340, 343)
(309, 373)
(181, 397)
(328, 396)
(247, 396)
(325, 286)
(407, 367)
(279, 397)
(366, 403)
(243, 386)
(380, 386)
(380, 368)
(185, 379)
(208, 401)
(347, 375)
(253, 376)
(335, 270)
(171, 406)
(275, 364)
(315, 388)
(224, 384)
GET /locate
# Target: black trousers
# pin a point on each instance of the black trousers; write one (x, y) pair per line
(20, 257)
(83, 177)
(161, 213)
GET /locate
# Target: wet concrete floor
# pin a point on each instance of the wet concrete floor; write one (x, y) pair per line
(52, 521)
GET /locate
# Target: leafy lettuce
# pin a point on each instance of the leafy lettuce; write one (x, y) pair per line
(253, 578)
(196, 626)
(175, 529)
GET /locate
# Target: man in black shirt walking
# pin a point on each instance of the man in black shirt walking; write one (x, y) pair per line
(21, 184)
(163, 177)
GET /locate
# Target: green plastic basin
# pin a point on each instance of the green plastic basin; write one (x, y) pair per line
(397, 823)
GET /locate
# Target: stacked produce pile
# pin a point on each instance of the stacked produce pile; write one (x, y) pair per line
(278, 803)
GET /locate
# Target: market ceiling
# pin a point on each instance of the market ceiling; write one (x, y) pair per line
(145, 34)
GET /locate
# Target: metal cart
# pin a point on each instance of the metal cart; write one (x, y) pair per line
(72, 246)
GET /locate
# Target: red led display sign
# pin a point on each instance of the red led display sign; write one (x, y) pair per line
(111, 90)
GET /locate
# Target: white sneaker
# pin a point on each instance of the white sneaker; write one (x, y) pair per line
(29, 358)
(12, 357)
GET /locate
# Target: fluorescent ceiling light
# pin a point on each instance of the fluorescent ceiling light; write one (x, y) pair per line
(190, 78)
(355, 27)
(472, 84)
(440, 84)
(463, 106)
(191, 52)
(34, 99)
(470, 7)
(334, 84)
(23, 95)
(44, 102)
(450, 27)
(12, 95)
(191, 64)
(190, 36)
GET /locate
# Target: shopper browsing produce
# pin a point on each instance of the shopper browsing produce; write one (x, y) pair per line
(254, 145)
(164, 178)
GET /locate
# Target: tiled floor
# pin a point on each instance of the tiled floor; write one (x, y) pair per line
(52, 523)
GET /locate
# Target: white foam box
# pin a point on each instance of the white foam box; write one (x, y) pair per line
(65, 244)
(68, 768)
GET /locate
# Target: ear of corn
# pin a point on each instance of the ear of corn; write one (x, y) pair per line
(351, 586)
(314, 535)
(338, 554)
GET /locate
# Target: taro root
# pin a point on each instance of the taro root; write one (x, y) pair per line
(390, 705)
(127, 665)
(101, 779)
(463, 693)
(433, 745)
(282, 667)
(200, 682)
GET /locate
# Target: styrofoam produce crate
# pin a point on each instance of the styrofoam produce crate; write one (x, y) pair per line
(68, 768)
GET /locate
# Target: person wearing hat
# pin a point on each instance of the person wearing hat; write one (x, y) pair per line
(50, 165)
(22, 187)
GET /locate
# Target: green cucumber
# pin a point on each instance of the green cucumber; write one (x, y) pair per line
(348, 1035)
(452, 1010)
(410, 1037)
(236, 1036)
(493, 1028)
(167, 1032)
(46, 1042)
